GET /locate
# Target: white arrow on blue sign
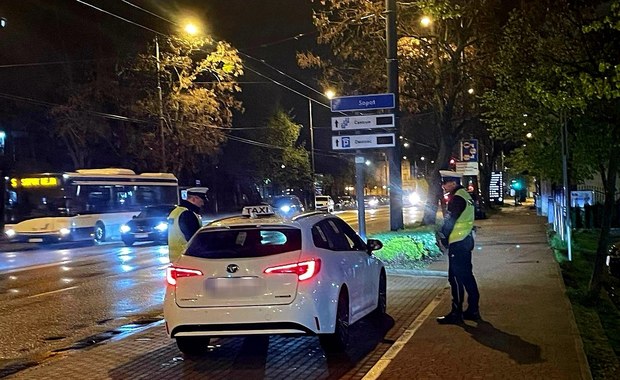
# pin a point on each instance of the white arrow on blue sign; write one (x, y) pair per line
(363, 102)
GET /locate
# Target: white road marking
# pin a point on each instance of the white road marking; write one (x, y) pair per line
(391, 353)
(52, 292)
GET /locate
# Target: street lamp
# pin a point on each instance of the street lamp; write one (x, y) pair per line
(189, 29)
(329, 94)
(161, 108)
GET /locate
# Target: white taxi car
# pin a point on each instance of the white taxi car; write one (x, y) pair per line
(262, 274)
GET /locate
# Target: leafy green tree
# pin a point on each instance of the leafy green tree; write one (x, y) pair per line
(199, 82)
(438, 65)
(271, 154)
(556, 67)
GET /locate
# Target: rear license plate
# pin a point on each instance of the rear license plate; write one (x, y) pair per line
(141, 236)
(35, 240)
(234, 287)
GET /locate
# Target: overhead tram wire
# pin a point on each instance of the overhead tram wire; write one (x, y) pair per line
(245, 66)
(242, 53)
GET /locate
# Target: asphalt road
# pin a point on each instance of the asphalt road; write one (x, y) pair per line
(57, 297)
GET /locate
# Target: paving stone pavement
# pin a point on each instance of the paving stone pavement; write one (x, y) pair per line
(528, 329)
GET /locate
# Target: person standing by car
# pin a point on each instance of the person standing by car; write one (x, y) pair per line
(184, 221)
(456, 235)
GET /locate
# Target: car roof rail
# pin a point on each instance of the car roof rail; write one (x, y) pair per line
(309, 214)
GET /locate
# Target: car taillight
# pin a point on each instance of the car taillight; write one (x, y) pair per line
(304, 270)
(173, 273)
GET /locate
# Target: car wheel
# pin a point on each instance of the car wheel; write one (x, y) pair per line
(339, 340)
(379, 312)
(193, 345)
(128, 241)
(99, 233)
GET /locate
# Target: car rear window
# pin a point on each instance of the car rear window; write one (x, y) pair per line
(244, 242)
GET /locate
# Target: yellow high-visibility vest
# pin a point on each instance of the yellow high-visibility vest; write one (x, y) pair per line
(176, 238)
(465, 223)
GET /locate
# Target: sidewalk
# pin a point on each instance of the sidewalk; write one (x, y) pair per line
(528, 329)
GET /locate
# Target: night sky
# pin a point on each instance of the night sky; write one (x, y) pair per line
(43, 37)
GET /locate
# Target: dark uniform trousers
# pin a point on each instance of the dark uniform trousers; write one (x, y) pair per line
(461, 276)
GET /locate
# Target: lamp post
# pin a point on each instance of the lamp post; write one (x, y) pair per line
(161, 108)
(329, 94)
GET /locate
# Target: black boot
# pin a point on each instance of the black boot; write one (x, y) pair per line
(472, 315)
(452, 318)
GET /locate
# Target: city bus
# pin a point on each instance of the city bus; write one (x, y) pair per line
(88, 204)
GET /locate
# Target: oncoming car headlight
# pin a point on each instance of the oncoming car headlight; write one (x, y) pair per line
(64, 231)
(125, 228)
(414, 198)
(373, 202)
(285, 208)
(9, 232)
(162, 226)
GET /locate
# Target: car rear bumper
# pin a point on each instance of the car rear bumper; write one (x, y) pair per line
(298, 317)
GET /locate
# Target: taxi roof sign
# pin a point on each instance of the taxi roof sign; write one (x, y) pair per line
(256, 211)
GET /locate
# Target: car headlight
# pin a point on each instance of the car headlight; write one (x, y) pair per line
(9, 232)
(373, 202)
(285, 208)
(125, 228)
(414, 198)
(161, 227)
(64, 231)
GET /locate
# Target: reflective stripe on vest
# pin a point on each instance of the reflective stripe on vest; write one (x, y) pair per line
(465, 223)
(176, 238)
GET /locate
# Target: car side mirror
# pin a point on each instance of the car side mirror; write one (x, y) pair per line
(134, 217)
(373, 245)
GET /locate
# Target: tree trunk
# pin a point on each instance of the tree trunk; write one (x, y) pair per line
(599, 274)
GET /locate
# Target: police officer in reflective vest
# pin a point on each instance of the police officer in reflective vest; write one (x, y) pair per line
(456, 235)
(184, 221)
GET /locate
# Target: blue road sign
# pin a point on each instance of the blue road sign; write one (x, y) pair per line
(363, 102)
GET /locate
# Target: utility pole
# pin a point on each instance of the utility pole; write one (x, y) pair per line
(396, 189)
(161, 109)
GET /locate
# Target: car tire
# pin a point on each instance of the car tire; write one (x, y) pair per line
(129, 241)
(339, 340)
(381, 308)
(99, 233)
(193, 345)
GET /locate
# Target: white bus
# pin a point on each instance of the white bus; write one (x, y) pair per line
(88, 204)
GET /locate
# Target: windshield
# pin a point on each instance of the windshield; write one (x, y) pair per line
(244, 242)
(36, 203)
(322, 199)
(156, 212)
(284, 201)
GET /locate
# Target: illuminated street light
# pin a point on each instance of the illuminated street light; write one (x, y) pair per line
(329, 94)
(406, 145)
(191, 28)
(470, 91)
(529, 135)
(426, 21)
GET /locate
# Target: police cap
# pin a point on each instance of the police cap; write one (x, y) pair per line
(449, 175)
(198, 192)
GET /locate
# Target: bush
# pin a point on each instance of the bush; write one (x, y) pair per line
(407, 248)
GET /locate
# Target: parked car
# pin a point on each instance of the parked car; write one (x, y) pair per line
(287, 205)
(151, 224)
(261, 274)
(324, 202)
